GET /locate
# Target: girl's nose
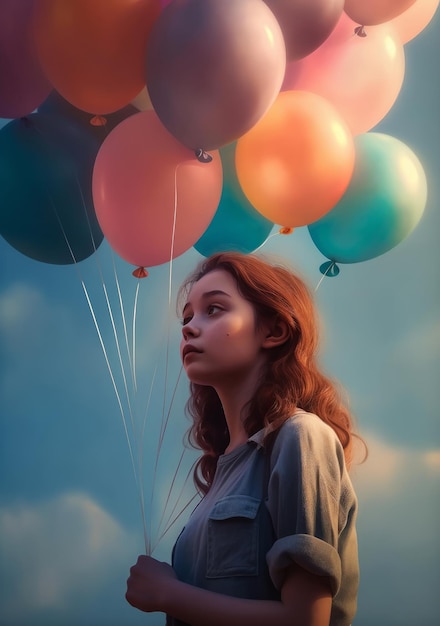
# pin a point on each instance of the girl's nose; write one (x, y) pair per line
(190, 330)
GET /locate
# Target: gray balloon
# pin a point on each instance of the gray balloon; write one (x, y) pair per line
(214, 68)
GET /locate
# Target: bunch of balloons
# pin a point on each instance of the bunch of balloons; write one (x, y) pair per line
(166, 124)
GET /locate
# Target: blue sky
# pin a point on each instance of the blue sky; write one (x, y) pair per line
(70, 520)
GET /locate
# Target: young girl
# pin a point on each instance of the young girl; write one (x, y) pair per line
(273, 540)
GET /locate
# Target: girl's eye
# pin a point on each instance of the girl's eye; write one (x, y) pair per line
(186, 320)
(213, 308)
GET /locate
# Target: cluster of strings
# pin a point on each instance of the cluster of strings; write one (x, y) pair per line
(137, 355)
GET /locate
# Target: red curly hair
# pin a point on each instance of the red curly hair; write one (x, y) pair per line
(291, 377)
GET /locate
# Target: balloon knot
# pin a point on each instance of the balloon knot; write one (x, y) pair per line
(286, 230)
(140, 272)
(329, 268)
(360, 31)
(98, 120)
(203, 156)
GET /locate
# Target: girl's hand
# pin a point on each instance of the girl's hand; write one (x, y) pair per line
(147, 584)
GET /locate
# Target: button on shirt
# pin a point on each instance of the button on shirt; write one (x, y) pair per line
(262, 514)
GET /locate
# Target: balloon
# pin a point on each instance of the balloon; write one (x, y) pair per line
(412, 21)
(93, 51)
(141, 174)
(236, 224)
(361, 76)
(375, 11)
(382, 205)
(45, 189)
(56, 105)
(296, 163)
(214, 68)
(23, 85)
(305, 25)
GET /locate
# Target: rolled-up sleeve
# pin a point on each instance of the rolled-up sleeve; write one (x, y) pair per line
(308, 500)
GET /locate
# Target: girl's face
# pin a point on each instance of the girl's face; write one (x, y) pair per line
(220, 343)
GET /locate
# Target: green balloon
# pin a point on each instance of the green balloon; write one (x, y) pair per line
(46, 205)
(382, 205)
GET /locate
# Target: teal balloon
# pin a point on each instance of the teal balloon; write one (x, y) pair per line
(382, 205)
(236, 225)
(46, 204)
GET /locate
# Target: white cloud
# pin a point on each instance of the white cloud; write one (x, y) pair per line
(390, 469)
(57, 551)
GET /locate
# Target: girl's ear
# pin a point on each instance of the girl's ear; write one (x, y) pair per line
(276, 333)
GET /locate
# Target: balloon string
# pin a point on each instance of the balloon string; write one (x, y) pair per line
(167, 348)
(170, 282)
(124, 324)
(132, 362)
(86, 213)
(134, 336)
(170, 491)
(164, 421)
(171, 524)
(118, 348)
(96, 321)
(141, 463)
(329, 269)
(121, 408)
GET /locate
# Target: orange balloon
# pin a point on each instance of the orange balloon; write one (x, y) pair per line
(93, 51)
(297, 161)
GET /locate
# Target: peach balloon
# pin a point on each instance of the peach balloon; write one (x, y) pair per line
(375, 11)
(360, 76)
(296, 162)
(92, 51)
(147, 186)
(415, 19)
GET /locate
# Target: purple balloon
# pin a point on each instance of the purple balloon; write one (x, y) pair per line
(214, 68)
(23, 85)
(306, 24)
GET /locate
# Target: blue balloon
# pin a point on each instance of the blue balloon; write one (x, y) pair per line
(382, 205)
(236, 225)
(46, 206)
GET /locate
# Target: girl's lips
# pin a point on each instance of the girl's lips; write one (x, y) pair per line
(189, 349)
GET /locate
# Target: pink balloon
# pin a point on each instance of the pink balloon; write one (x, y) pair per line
(360, 76)
(136, 198)
(410, 23)
(305, 24)
(23, 86)
(375, 11)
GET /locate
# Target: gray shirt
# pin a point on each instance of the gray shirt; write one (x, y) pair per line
(262, 514)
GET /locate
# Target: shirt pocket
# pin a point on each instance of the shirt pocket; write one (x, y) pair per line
(232, 541)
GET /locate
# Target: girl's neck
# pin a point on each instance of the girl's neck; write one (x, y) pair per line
(235, 400)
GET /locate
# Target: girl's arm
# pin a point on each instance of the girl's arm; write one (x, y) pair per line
(305, 599)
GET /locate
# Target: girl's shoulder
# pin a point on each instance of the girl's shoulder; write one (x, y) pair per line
(304, 424)
(306, 435)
